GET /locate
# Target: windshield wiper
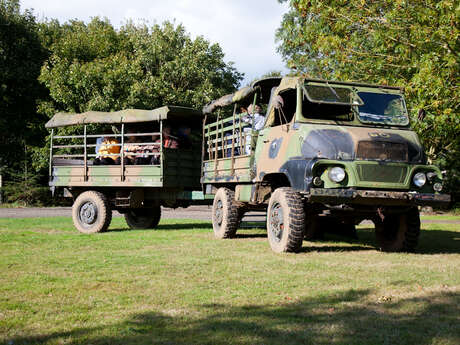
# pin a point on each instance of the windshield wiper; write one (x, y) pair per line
(333, 91)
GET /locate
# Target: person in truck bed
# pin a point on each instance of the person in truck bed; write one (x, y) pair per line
(108, 153)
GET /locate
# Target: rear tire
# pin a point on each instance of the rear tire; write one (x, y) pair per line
(398, 233)
(143, 218)
(224, 214)
(91, 212)
(285, 221)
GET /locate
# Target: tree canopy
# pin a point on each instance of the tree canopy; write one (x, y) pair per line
(410, 43)
(48, 67)
(21, 57)
(96, 67)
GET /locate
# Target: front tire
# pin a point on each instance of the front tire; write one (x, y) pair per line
(91, 212)
(398, 233)
(143, 218)
(285, 221)
(224, 214)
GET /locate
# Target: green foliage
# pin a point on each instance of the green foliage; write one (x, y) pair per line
(25, 188)
(95, 67)
(414, 44)
(22, 194)
(21, 57)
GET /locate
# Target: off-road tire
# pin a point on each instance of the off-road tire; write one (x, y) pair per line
(91, 212)
(285, 220)
(224, 214)
(398, 233)
(143, 218)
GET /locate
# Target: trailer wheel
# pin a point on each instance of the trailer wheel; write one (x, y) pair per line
(285, 221)
(224, 214)
(143, 218)
(398, 233)
(91, 212)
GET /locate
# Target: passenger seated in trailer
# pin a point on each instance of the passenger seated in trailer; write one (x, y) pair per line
(108, 153)
(169, 141)
(154, 148)
(130, 147)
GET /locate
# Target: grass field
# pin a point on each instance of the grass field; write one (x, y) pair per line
(178, 285)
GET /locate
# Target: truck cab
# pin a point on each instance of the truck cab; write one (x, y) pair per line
(330, 154)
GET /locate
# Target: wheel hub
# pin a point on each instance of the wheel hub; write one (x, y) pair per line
(219, 214)
(277, 222)
(88, 213)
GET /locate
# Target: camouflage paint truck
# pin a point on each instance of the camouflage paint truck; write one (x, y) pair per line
(137, 191)
(330, 154)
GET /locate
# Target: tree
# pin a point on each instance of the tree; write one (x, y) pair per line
(21, 57)
(414, 44)
(95, 67)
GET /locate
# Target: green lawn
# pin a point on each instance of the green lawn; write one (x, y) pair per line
(447, 216)
(178, 285)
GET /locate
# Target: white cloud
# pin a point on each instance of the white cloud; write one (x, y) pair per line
(245, 29)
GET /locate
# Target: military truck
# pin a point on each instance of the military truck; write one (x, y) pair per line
(329, 155)
(169, 177)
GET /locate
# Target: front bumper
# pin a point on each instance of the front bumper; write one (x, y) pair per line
(378, 198)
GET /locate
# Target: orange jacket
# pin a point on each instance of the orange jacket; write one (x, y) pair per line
(106, 151)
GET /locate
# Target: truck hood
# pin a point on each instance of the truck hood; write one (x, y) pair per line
(362, 143)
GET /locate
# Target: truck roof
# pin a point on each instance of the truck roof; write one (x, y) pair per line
(265, 86)
(123, 116)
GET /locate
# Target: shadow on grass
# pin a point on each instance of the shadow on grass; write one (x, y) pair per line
(436, 241)
(347, 317)
(170, 227)
(242, 236)
(331, 248)
(185, 226)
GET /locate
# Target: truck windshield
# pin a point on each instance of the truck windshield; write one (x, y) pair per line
(383, 109)
(330, 94)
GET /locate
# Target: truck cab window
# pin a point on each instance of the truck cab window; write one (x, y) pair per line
(284, 106)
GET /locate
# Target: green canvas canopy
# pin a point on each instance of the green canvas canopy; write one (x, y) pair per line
(123, 116)
(263, 86)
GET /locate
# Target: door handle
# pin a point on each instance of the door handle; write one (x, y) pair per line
(266, 141)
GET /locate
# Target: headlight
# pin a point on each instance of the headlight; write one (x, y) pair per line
(337, 174)
(419, 179)
(437, 187)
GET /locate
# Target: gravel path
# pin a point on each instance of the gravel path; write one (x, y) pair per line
(192, 212)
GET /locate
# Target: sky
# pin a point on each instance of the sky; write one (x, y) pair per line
(245, 29)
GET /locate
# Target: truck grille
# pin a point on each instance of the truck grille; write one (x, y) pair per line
(382, 151)
(381, 173)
